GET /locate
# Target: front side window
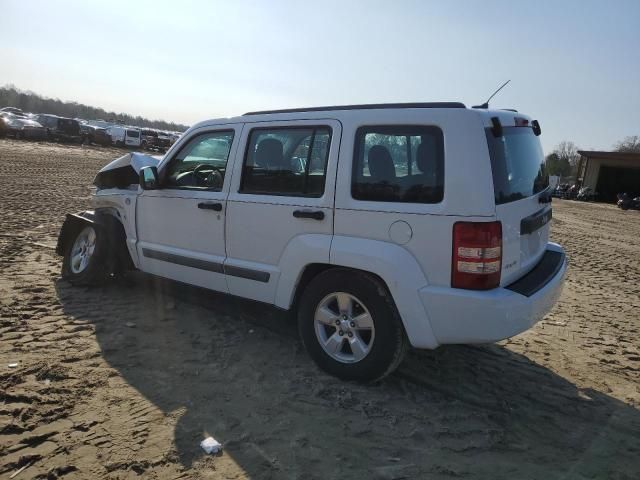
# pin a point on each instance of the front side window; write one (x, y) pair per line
(201, 163)
(399, 163)
(286, 161)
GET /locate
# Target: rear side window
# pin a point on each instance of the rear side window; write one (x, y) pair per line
(286, 161)
(399, 163)
(133, 133)
(517, 164)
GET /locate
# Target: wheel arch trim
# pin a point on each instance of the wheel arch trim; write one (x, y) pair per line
(106, 223)
(400, 272)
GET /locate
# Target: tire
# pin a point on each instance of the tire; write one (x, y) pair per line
(93, 271)
(380, 336)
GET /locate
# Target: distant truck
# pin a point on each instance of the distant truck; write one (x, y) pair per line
(125, 136)
(60, 128)
(155, 140)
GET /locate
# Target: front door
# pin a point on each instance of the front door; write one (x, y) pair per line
(280, 206)
(181, 225)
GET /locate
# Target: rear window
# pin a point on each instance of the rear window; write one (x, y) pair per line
(133, 133)
(517, 163)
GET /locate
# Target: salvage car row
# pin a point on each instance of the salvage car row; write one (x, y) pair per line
(31, 126)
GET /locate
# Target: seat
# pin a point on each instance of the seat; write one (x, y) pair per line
(425, 186)
(381, 165)
(427, 167)
(270, 155)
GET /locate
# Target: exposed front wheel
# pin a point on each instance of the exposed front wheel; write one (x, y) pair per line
(350, 326)
(83, 262)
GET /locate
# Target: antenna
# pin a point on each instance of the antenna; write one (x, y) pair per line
(485, 105)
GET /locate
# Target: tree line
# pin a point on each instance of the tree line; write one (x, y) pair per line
(10, 96)
(563, 161)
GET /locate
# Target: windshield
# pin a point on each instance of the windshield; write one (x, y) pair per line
(517, 163)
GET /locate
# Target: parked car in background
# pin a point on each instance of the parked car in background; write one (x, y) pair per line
(626, 201)
(100, 136)
(125, 136)
(155, 140)
(586, 194)
(16, 111)
(173, 137)
(93, 134)
(22, 127)
(560, 191)
(60, 128)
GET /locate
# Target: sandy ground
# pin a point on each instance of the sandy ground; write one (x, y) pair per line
(94, 398)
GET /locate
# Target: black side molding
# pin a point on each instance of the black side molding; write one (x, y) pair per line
(247, 273)
(541, 274)
(184, 261)
(216, 267)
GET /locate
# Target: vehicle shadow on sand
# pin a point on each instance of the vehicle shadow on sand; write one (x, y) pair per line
(235, 370)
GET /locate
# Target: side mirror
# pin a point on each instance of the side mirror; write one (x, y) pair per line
(149, 178)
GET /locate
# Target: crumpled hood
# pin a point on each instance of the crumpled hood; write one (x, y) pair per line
(135, 160)
(123, 171)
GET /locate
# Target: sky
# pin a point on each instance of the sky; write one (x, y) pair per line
(573, 65)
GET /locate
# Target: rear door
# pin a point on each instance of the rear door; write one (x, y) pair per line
(281, 198)
(522, 198)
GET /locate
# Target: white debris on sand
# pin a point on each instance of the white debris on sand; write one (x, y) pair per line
(211, 445)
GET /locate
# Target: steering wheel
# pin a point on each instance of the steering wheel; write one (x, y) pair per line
(212, 179)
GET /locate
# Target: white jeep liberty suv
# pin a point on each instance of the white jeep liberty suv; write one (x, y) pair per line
(380, 225)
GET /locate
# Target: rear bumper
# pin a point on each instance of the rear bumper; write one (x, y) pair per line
(467, 316)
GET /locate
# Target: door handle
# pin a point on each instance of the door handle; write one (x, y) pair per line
(210, 206)
(314, 214)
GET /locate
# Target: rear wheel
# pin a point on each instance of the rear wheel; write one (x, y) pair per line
(350, 326)
(83, 262)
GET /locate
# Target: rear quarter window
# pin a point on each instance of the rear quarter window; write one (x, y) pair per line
(398, 163)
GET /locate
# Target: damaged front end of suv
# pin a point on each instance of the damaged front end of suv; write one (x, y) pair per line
(99, 243)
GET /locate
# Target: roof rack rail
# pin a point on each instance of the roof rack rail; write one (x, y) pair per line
(510, 110)
(368, 106)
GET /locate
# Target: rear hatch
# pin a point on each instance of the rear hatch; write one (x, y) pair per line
(522, 195)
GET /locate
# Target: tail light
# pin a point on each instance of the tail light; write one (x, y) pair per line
(477, 255)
